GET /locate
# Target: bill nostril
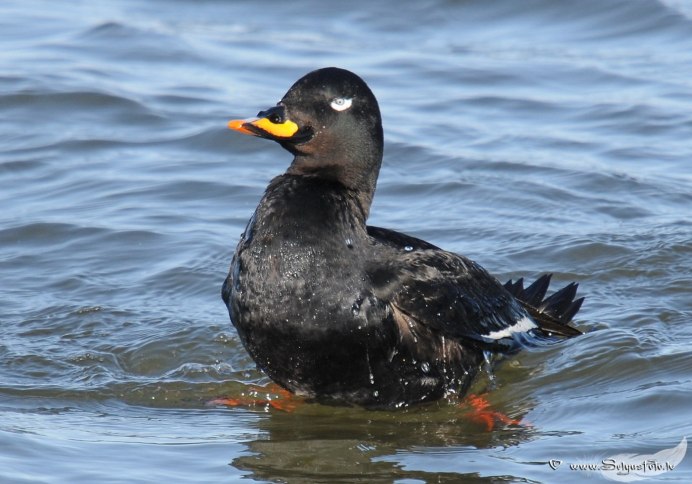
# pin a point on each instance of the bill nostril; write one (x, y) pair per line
(274, 115)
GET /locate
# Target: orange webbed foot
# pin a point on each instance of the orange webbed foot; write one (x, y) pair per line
(270, 396)
(482, 413)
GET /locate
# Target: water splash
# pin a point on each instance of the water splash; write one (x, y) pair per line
(487, 356)
(370, 373)
(355, 308)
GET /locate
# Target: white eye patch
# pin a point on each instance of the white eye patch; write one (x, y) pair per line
(341, 103)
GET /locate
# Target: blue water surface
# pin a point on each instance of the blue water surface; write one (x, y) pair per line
(535, 136)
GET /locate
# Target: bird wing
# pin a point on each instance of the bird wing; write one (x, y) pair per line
(443, 291)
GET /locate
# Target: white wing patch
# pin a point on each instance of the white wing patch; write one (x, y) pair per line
(521, 326)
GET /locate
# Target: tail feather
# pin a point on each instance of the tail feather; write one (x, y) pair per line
(573, 309)
(552, 314)
(558, 302)
(535, 293)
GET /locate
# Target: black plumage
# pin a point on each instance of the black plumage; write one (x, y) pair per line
(335, 310)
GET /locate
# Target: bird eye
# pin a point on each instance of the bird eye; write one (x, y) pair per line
(341, 103)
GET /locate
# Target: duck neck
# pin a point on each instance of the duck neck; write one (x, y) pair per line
(358, 174)
(300, 206)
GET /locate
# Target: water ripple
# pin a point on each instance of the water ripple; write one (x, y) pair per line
(533, 137)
